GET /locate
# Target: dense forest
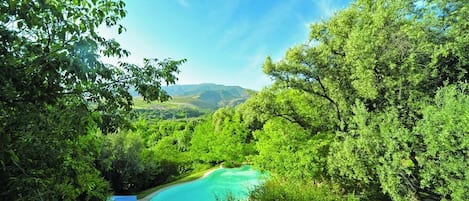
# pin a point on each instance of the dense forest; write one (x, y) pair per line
(373, 106)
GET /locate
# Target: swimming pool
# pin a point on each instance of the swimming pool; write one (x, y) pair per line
(235, 181)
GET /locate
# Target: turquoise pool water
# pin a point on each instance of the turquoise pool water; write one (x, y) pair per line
(237, 181)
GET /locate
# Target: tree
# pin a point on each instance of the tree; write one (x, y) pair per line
(123, 151)
(201, 143)
(50, 64)
(366, 157)
(232, 141)
(377, 64)
(384, 53)
(293, 105)
(427, 162)
(442, 134)
(50, 154)
(221, 138)
(287, 149)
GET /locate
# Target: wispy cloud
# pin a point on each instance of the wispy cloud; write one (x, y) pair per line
(252, 71)
(234, 33)
(328, 7)
(253, 42)
(183, 3)
(228, 40)
(254, 62)
(252, 35)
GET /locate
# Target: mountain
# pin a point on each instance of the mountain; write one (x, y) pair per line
(194, 100)
(194, 89)
(209, 96)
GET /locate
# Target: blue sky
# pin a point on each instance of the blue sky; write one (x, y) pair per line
(225, 41)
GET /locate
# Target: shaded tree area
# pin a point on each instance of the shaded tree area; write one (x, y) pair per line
(148, 154)
(57, 96)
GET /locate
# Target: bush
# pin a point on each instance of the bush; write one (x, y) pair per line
(230, 164)
(285, 189)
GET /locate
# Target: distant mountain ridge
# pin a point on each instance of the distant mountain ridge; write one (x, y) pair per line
(209, 96)
(194, 89)
(193, 100)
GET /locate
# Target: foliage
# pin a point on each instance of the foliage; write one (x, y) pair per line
(221, 138)
(149, 154)
(292, 105)
(51, 150)
(122, 151)
(382, 53)
(168, 113)
(443, 141)
(277, 189)
(202, 142)
(56, 92)
(287, 149)
(421, 163)
(376, 66)
(371, 149)
(374, 106)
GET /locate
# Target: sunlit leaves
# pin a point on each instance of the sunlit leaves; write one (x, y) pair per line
(287, 149)
(444, 155)
(221, 138)
(377, 64)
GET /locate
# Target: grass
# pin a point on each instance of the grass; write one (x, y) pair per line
(139, 103)
(176, 102)
(190, 177)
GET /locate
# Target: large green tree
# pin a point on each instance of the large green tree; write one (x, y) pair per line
(55, 88)
(378, 64)
(384, 53)
(221, 138)
(292, 130)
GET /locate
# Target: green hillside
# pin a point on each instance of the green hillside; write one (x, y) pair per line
(193, 100)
